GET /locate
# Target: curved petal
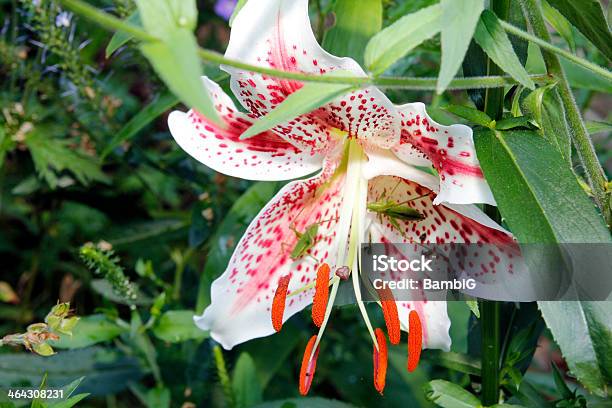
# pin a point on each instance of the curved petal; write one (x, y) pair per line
(277, 34)
(242, 296)
(450, 149)
(263, 157)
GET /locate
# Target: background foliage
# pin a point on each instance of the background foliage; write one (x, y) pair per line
(86, 157)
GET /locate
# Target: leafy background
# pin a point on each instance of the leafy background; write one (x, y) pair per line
(86, 156)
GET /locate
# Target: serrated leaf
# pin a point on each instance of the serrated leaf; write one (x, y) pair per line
(355, 23)
(184, 78)
(536, 192)
(176, 326)
(449, 395)
(588, 17)
(583, 331)
(149, 113)
(306, 99)
(471, 114)
(396, 40)
(245, 383)
(560, 24)
(459, 20)
(120, 38)
(91, 330)
(493, 39)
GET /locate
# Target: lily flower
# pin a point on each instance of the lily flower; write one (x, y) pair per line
(307, 238)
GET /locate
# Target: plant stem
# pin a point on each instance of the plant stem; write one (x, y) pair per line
(110, 22)
(489, 317)
(580, 136)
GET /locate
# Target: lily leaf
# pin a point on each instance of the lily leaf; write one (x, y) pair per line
(176, 326)
(120, 38)
(459, 20)
(246, 384)
(495, 42)
(471, 114)
(559, 23)
(91, 330)
(450, 395)
(396, 40)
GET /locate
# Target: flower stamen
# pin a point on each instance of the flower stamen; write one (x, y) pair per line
(321, 296)
(389, 308)
(415, 340)
(309, 364)
(278, 303)
(380, 361)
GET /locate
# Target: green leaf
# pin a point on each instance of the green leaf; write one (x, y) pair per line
(396, 40)
(512, 122)
(546, 108)
(239, 5)
(560, 24)
(459, 20)
(184, 78)
(120, 38)
(580, 77)
(562, 387)
(104, 288)
(583, 331)
(228, 234)
(149, 113)
(246, 384)
(307, 402)
(307, 98)
(356, 23)
(536, 191)
(471, 114)
(595, 127)
(495, 42)
(473, 305)
(449, 395)
(91, 330)
(588, 17)
(162, 17)
(454, 361)
(176, 326)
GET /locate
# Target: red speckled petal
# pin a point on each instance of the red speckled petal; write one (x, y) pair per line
(434, 320)
(242, 296)
(263, 157)
(277, 34)
(450, 149)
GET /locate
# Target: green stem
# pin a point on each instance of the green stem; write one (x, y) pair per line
(494, 98)
(580, 136)
(110, 22)
(224, 377)
(544, 43)
(489, 318)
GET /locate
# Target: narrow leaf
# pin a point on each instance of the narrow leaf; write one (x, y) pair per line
(471, 114)
(304, 100)
(588, 17)
(239, 5)
(512, 122)
(598, 127)
(356, 23)
(246, 385)
(449, 395)
(161, 17)
(396, 40)
(459, 19)
(177, 63)
(175, 326)
(560, 24)
(120, 38)
(495, 42)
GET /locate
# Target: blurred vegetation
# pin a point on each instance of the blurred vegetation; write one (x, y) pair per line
(100, 208)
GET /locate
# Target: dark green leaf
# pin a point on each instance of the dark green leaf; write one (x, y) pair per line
(459, 19)
(580, 77)
(562, 387)
(582, 331)
(536, 192)
(495, 42)
(396, 40)
(560, 24)
(307, 98)
(355, 23)
(149, 113)
(120, 38)
(454, 361)
(449, 395)
(88, 331)
(176, 326)
(245, 383)
(588, 17)
(471, 114)
(512, 122)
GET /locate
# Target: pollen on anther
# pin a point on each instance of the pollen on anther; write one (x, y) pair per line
(380, 361)
(278, 303)
(309, 366)
(415, 340)
(319, 303)
(389, 307)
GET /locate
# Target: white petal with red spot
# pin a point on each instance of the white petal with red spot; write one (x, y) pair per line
(242, 296)
(265, 156)
(450, 149)
(277, 34)
(434, 320)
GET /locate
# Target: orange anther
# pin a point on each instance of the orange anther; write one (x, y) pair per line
(415, 340)
(389, 308)
(319, 303)
(380, 361)
(278, 303)
(308, 366)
